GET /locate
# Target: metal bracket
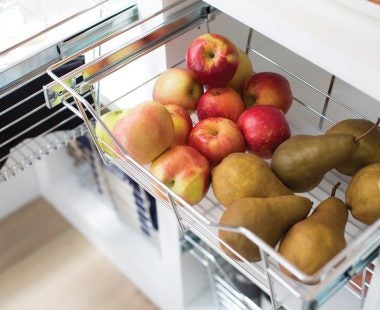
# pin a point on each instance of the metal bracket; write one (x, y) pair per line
(208, 13)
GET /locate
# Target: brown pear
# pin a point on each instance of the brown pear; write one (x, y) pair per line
(268, 218)
(242, 175)
(363, 194)
(302, 161)
(368, 151)
(313, 242)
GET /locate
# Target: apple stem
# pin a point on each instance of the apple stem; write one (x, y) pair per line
(369, 130)
(333, 191)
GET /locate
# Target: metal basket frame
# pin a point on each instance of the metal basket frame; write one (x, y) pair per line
(363, 249)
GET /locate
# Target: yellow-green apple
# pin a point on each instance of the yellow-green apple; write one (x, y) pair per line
(216, 137)
(182, 124)
(185, 171)
(220, 102)
(268, 88)
(212, 59)
(145, 132)
(264, 129)
(243, 72)
(109, 119)
(177, 86)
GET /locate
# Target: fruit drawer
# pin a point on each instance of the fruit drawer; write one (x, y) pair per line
(170, 36)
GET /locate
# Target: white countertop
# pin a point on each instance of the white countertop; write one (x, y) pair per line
(336, 37)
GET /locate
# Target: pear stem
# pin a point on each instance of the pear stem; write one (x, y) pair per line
(369, 130)
(333, 191)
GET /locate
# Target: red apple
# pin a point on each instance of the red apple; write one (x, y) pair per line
(243, 72)
(177, 86)
(182, 124)
(264, 129)
(217, 137)
(268, 88)
(185, 171)
(220, 102)
(145, 132)
(212, 59)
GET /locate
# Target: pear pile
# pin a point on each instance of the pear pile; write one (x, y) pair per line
(255, 199)
(260, 197)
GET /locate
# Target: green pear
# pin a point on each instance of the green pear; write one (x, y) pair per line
(301, 162)
(242, 175)
(363, 194)
(313, 242)
(268, 218)
(110, 119)
(368, 151)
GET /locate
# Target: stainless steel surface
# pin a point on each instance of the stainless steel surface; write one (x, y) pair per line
(226, 294)
(21, 73)
(102, 29)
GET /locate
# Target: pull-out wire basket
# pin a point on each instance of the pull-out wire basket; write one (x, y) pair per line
(363, 241)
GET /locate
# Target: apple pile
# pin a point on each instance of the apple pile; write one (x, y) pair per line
(233, 110)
